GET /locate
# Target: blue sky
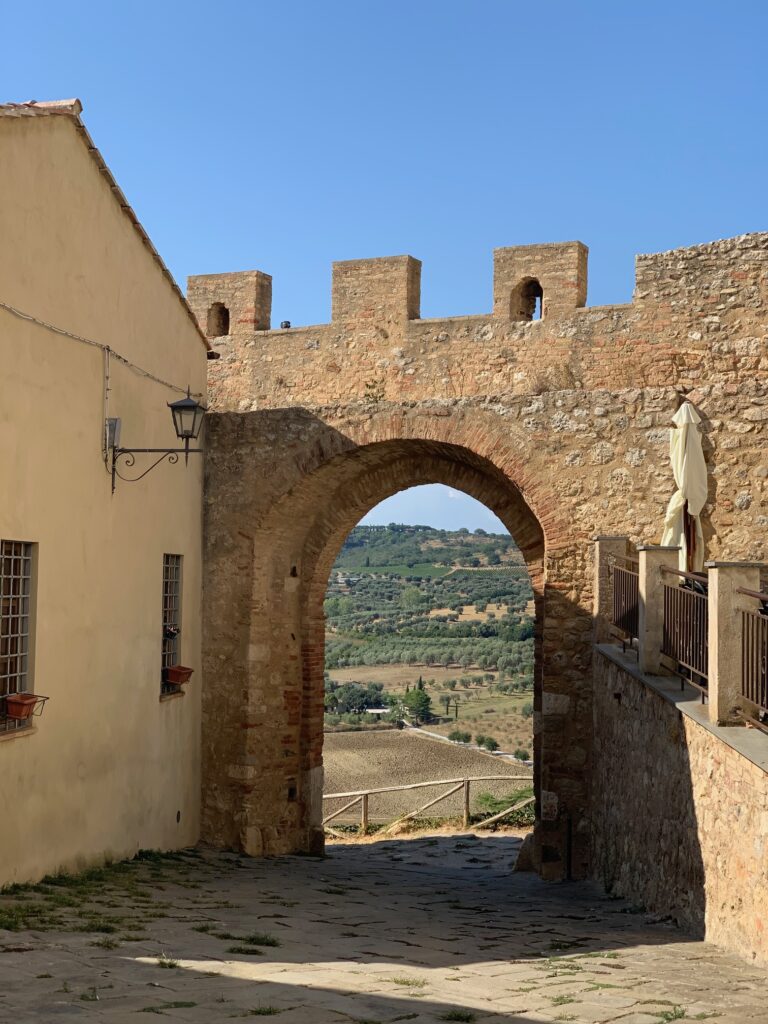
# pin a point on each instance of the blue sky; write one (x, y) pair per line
(438, 506)
(285, 135)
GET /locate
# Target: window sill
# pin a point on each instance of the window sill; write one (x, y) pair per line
(16, 734)
(171, 696)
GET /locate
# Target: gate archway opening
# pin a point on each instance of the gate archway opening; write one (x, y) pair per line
(428, 666)
(380, 471)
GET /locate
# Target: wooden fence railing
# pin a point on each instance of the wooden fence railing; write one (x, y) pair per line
(363, 796)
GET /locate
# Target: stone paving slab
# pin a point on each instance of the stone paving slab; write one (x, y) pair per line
(425, 929)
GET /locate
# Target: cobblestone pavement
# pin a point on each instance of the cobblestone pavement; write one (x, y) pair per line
(423, 930)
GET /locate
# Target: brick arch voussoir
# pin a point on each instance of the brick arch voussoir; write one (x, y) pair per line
(329, 531)
(488, 435)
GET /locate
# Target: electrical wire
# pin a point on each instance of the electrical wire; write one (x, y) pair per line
(108, 350)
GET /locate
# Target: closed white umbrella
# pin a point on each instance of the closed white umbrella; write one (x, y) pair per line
(682, 525)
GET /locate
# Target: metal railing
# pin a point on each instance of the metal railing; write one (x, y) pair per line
(626, 598)
(754, 657)
(685, 637)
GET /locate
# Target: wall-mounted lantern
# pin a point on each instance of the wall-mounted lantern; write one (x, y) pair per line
(187, 416)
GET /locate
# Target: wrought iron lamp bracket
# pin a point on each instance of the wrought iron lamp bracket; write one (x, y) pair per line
(129, 457)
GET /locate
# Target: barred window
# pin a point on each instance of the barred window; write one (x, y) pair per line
(171, 617)
(15, 595)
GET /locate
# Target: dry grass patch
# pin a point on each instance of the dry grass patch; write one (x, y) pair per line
(468, 612)
(373, 760)
(395, 677)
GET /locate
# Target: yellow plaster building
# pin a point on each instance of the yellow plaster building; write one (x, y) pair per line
(98, 590)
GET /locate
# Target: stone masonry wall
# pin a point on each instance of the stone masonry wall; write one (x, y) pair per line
(698, 315)
(561, 426)
(283, 489)
(680, 818)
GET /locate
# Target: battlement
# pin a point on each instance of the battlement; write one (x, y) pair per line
(530, 282)
(550, 280)
(236, 303)
(698, 314)
(383, 289)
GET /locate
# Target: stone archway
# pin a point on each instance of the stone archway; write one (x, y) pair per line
(284, 489)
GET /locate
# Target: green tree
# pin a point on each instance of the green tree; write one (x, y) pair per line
(458, 736)
(411, 598)
(419, 705)
(354, 698)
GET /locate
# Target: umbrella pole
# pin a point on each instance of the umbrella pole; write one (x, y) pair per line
(689, 533)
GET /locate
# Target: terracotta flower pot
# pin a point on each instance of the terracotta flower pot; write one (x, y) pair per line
(20, 705)
(177, 674)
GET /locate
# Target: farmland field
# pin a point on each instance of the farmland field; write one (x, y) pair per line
(480, 711)
(468, 613)
(433, 628)
(355, 761)
(500, 716)
(396, 677)
(421, 569)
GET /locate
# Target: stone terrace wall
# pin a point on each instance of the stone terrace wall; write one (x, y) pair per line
(698, 315)
(680, 818)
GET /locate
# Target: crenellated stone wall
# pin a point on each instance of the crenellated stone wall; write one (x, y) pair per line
(560, 425)
(698, 316)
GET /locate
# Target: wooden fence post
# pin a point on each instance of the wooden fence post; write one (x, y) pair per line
(466, 803)
(364, 814)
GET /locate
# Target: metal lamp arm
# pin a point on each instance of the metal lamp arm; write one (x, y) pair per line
(129, 456)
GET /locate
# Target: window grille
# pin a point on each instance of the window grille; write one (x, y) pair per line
(171, 615)
(15, 590)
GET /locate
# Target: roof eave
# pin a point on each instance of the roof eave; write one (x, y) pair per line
(72, 109)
